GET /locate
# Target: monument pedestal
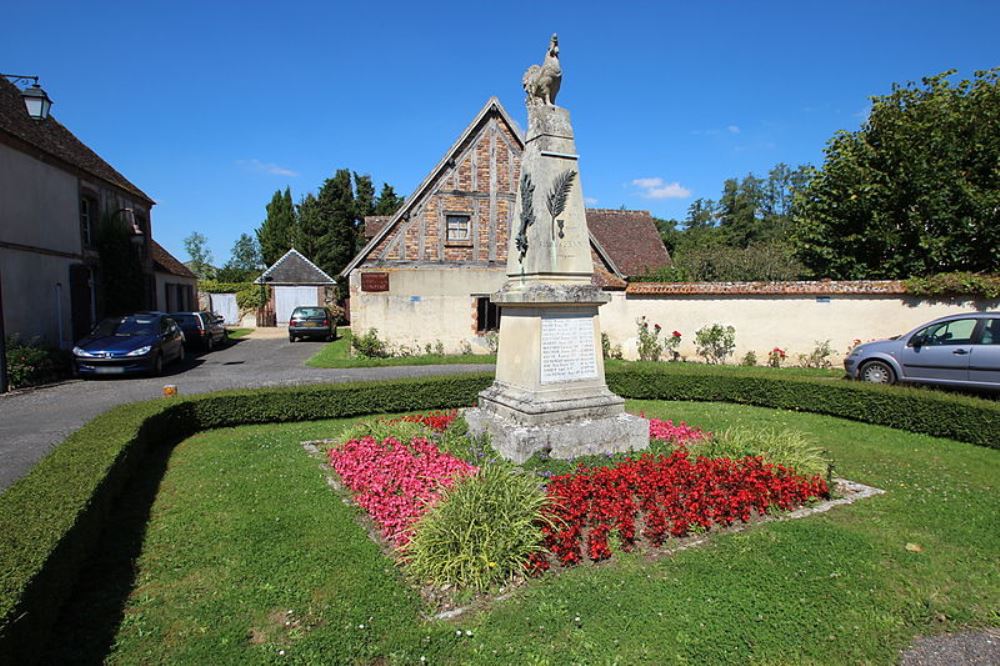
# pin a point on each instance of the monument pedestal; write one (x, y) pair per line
(549, 395)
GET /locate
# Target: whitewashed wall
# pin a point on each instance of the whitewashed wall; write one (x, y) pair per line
(793, 322)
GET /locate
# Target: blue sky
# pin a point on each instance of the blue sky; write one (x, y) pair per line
(211, 106)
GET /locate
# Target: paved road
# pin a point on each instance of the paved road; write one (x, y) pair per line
(33, 422)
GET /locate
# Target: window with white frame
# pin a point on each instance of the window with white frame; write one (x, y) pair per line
(88, 220)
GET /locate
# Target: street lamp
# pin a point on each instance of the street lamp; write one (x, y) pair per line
(36, 100)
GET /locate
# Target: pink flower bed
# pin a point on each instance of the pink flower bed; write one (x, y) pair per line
(395, 483)
(680, 434)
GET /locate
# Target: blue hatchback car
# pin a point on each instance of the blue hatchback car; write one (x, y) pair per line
(139, 343)
(960, 350)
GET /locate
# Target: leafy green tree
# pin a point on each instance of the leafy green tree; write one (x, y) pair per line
(312, 229)
(364, 205)
(276, 235)
(333, 224)
(244, 261)
(199, 256)
(387, 202)
(915, 191)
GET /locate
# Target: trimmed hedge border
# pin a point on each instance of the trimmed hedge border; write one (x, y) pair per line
(52, 518)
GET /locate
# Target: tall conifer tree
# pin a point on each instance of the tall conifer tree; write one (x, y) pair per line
(277, 233)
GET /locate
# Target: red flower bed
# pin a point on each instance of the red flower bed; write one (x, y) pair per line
(655, 497)
(395, 482)
(437, 421)
(679, 434)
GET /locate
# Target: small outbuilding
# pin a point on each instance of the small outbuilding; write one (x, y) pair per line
(294, 281)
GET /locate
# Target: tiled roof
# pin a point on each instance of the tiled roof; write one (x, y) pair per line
(50, 137)
(801, 288)
(374, 224)
(164, 262)
(294, 268)
(630, 238)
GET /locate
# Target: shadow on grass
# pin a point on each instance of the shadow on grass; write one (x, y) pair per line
(87, 625)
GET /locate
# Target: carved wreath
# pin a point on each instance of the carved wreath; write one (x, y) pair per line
(527, 214)
(556, 201)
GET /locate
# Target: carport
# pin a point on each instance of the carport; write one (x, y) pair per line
(293, 281)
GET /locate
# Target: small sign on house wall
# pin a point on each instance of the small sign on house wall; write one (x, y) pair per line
(374, 282)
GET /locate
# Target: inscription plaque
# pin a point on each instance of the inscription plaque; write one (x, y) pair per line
(568, 352)
(374, 282)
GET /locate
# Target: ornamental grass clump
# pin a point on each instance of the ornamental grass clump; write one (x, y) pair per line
(788, 448)
(481, 532)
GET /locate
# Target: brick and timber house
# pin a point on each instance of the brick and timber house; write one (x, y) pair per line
(427, 271)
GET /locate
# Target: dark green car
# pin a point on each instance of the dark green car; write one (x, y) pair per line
(311, 322)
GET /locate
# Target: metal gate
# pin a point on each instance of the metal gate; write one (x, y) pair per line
(287, 299)
(225, 306)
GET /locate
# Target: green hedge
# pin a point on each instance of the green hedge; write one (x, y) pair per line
(52, 518)
(965, 419)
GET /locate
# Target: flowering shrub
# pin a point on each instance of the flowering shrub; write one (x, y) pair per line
(395, 483)
(680, 434)
(656, 497)
(715, 343)
(776, 357)
(649, 346)
(671, 344)
(29, 363)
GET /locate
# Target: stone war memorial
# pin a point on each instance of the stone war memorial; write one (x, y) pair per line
(550, 395)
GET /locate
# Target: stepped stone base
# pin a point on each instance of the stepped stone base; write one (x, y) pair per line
(583, 436)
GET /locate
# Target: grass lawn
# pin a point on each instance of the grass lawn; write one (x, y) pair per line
(234, 528)
(235, 333)
(337, 354)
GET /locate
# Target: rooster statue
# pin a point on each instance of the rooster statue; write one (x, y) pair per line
(541, 82)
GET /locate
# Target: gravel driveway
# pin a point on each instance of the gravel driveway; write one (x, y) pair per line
(33, 422)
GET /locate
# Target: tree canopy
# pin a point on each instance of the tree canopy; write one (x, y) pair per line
(200, 256)
(915, 191)
(277, 234)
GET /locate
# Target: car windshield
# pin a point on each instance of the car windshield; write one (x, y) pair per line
(186, 319)
(125, 326)
(309, 312)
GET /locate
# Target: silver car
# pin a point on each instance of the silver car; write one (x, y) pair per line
(960, 350)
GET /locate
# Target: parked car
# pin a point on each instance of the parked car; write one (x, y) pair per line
(311, 322)
(204, 329)
(960, 350)
(139, 343)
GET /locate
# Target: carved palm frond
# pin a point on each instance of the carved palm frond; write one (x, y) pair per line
(527, 213)
(556, 201)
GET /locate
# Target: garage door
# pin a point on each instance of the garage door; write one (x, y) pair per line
(226, 307)
(287, 299)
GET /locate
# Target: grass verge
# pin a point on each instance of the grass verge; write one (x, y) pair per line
(337, 354)
(242, 529)
(236, 333)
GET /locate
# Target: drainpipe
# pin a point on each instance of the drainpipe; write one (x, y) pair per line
(4, 384)
(59, 312)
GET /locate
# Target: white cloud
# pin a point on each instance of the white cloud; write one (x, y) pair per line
(267, 167)
(590, 201)
(657, 188)
(733, 129)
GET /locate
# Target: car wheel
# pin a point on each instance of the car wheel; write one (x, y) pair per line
(181, 354)
(877, 372)
(157, 365)
(210, 344)
(291, 338)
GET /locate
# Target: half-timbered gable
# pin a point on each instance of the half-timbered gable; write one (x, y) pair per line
(461, 213)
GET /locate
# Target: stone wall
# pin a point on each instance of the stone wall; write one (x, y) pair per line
(794, 316)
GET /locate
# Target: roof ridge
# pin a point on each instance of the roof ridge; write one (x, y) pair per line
(292, 251)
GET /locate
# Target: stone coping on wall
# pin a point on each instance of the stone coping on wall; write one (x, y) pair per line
(798, 288)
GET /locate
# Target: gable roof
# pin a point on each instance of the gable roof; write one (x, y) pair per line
(630, 238)
(50, 137)
(492, 105)
(164, 262)
(294, 268)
